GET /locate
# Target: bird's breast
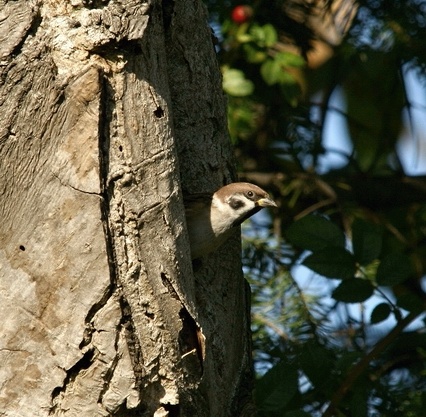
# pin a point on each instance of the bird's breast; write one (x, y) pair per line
(206, 234)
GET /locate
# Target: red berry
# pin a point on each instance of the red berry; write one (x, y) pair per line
(240, 14)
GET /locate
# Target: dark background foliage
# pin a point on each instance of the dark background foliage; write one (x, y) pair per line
(337, 272)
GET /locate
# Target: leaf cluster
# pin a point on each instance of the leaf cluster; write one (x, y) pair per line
(314, 358)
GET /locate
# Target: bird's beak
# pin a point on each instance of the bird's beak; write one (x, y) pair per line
(266, 202)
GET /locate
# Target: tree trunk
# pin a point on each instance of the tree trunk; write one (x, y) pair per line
(108, 109)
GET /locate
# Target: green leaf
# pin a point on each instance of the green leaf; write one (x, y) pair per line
(411, 341)
(410, 302)
(332, 262)
(316, 362)
(235, 83)
(288, 59)
(370, 271)
(271, 71)
(315, 232)
(286, 78)
(264, 36)
(241, 118)
(242, 36)
(270, 34)
(254, 54)
(258, 34)
(366, 241)
(274, 73)
(353, 290)
(393, 269)
(380, 313)
(277, 387)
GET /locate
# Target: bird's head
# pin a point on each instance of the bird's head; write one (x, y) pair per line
(238, 201)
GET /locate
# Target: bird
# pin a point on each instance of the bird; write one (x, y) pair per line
(211, 217)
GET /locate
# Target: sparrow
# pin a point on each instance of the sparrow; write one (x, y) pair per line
(210, 217)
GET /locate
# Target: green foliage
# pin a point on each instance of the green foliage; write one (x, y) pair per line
(258, 45)
(381, 312)
(366, 241)
(394, 269)
(253, 62)
(353, 290)
(277, 388)
(317, 361)
(273, 69)
(411, 302)
(235, 83)
(263, 36)
(333, 342)
(242, 119)
(315, 233)
(332, 262)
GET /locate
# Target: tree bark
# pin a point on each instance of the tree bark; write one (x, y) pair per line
(108, 109)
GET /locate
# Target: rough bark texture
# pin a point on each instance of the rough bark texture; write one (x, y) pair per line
(107, 110)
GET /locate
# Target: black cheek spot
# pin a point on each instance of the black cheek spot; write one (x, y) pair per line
(236, 203)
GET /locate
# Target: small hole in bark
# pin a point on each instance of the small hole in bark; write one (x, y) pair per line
(150, 315)
(173, 409)
(22, 248)
(120, 148)
(159, 112)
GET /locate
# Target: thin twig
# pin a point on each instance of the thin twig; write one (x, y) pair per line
(315, 207)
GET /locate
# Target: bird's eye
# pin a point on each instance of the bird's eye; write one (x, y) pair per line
(250, 194)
